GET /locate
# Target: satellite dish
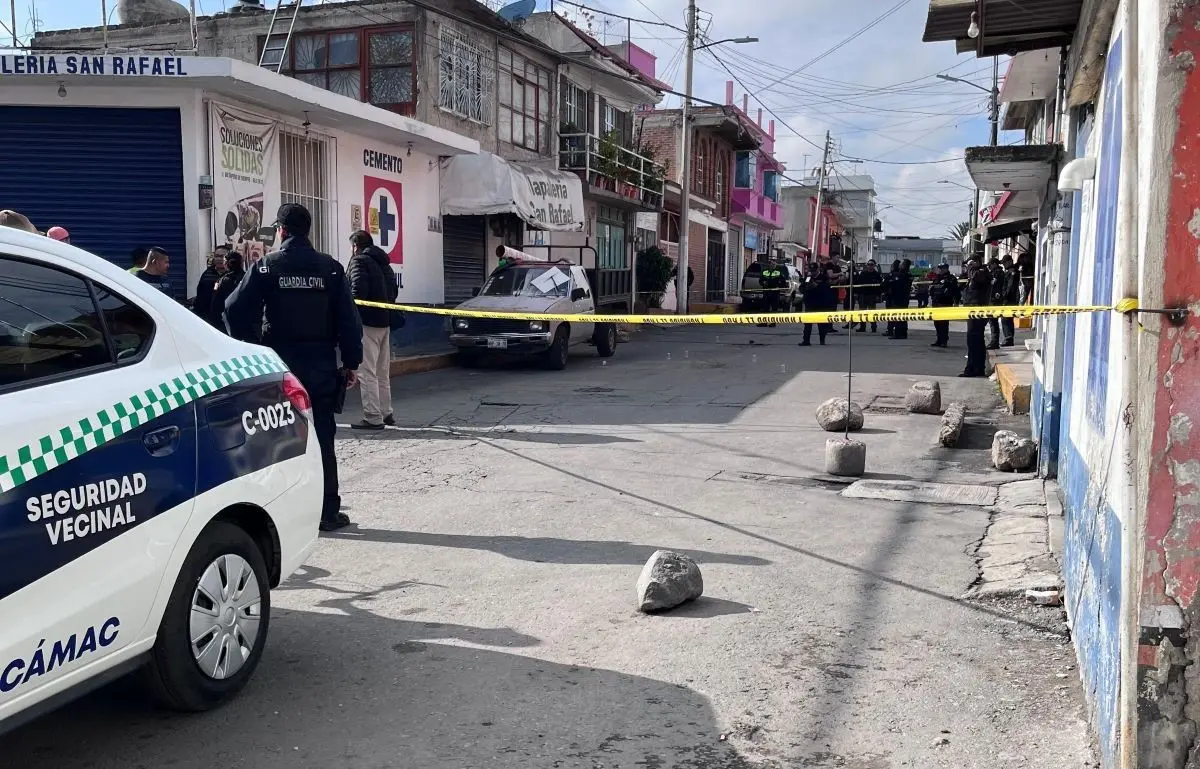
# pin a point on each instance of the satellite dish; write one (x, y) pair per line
(514, 12)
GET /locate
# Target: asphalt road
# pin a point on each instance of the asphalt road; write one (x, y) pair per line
(481, 613)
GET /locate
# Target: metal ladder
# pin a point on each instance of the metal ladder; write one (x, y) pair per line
(287, 41)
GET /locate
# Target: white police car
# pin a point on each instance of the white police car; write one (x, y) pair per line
(157, 479)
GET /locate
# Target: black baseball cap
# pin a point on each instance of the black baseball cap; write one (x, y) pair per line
(295, 218)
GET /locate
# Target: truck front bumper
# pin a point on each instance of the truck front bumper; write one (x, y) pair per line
(519, 344)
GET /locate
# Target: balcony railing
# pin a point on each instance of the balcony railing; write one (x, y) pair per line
(606, 165)
(753, 203)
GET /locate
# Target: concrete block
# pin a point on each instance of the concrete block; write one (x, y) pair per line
(845, 457)
(924, 398)
(952, 425)
(419, 364)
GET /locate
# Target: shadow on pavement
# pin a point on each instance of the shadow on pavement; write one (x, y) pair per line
(706, 607)
(345, 688)
(467, 434)
(540, 549)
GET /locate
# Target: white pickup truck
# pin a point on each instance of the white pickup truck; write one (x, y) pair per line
(530, 286)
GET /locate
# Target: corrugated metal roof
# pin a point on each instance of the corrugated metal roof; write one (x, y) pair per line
(1006, 26)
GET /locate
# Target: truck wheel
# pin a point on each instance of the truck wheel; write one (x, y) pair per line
(215, 625)
(606, 339)
(556, 356)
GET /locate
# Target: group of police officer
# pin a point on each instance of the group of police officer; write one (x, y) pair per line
(999, 283)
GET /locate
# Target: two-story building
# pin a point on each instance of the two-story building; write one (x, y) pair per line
(602, 92)
(799, 213)
(467, 71)
(719, 215)
(755, 212)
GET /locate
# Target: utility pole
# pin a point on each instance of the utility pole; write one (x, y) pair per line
(995, 104)
(816, 228)
(685, 183)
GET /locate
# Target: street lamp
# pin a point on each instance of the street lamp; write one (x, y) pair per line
(685, 194)
(956, 184)
(993, 92)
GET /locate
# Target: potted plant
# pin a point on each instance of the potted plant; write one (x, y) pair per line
(608, 167)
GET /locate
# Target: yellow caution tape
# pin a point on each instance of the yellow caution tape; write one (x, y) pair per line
(1127, 305)
(854, 316)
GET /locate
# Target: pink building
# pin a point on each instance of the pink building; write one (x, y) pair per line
(755, 212)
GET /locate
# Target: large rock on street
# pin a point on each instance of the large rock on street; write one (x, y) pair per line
(1011, 452)
(831, 415)
(667, 580)
(952, 425)
(924, 398)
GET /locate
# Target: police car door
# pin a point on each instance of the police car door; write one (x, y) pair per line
(97, 471)
(583, 303)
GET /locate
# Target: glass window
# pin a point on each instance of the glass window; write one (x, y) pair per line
(382, 74)
(129, 328)
(771, 185)
(747, 169)
(524, 102)
(610, 238)
(49, 325)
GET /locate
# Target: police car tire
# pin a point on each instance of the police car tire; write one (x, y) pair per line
(172, 673)
(556, 356)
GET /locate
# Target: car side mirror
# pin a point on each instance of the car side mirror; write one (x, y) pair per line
(475, 291)
(578, 294)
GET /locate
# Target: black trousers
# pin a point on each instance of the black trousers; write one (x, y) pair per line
(993, 325)
(942, 328)
(322, 382)
(822, 330)
(868, 303)
(976, 347)
(1009, 327)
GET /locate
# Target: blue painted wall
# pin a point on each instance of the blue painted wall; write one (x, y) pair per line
(1092, 541)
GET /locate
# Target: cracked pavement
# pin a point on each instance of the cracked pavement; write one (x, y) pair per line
(481, 613)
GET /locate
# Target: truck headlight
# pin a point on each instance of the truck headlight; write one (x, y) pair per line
(537, 325)
(461, 324)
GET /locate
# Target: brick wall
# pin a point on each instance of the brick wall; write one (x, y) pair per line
(697, 259)
(664, 141)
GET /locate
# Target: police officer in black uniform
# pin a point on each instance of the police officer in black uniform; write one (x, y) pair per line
(977, 294)
(310, 317)
(943, 292)
(996, 272)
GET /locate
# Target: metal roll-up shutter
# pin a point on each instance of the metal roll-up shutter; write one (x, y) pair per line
(464, 256)
(112, 176)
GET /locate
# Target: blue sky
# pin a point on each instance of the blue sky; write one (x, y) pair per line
(876, 93)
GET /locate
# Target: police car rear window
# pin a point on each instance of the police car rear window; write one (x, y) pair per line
(51, 327)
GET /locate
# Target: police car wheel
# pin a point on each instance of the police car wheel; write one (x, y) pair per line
(556, 356)
(215, 626)
(606, 340)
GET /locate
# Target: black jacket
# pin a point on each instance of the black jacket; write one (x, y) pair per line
(868, 284)
(943, 290)
(372, 279)
(225, 286)
(818, 294)
(297, 301)
(1012, 286)
(897, 289)
(979, 288)
(202, 304)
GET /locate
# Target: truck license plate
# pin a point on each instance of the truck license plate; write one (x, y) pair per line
(497, 344)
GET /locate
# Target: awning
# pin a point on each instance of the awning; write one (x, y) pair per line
(1005, 27)
(485, 184)
(1026, 167)
(1005, 230)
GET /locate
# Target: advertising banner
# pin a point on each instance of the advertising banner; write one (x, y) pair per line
(246, 180)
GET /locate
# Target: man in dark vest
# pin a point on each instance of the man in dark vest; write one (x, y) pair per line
(309, 318)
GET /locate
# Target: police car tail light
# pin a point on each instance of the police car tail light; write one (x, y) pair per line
(296, 394)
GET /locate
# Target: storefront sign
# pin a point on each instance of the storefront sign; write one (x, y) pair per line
(383, 161)
(484, 184)
(80, 64)
(385, 215)
(246, 189)
(751, 239)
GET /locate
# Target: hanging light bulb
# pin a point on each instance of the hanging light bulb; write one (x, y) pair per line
(973, 30)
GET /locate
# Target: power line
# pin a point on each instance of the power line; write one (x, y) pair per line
(661, 23)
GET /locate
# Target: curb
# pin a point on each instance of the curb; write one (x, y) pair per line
(419, 364)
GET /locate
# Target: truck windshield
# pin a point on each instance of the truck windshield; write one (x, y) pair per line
(549, 280)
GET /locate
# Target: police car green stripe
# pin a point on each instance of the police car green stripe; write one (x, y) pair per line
(50, 451)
